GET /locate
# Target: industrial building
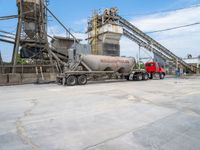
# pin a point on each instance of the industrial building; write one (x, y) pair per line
(195, 61)
(104, 33)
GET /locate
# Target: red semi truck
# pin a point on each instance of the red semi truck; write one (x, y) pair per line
(154, 69)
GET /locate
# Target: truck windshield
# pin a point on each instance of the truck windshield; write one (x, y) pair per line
(149, 65)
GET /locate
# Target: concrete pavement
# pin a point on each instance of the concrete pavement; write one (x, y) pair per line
(157, 114)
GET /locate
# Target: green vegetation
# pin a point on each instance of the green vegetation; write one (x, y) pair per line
(141, 66)
(21, 61)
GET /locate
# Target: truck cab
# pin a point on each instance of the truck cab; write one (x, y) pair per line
(153, 69)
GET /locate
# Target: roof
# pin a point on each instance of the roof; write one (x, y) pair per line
(195, 60)
(65, 38)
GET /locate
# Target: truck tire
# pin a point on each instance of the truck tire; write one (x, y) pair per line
(58, 80)
(82, 80)
(139, 77)
(162, 76)
(156, 76)
(127, 77)
(151, 76)
(71, 81)
(130, 77)
(145, 76)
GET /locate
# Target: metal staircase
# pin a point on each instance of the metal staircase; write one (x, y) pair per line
(150, 44)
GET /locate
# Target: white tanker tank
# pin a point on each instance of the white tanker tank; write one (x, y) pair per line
(109, 63)
(84, 67)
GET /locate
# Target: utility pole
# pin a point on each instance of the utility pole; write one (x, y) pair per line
(17, 40)
(95, 30)
(139, 57)
(198, 66)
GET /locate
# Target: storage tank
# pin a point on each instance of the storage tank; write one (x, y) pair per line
(109, 63)
(32, 15)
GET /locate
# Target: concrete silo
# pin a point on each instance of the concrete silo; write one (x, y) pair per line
(31, 37)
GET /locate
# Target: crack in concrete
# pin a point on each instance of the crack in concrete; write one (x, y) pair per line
(21, 129)
(131, 131)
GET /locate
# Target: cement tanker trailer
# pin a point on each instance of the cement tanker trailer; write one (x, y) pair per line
(97, 67)
(107, 63)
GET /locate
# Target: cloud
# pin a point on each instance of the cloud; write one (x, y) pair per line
(130, 48)
(184, 2)
(167, 20)
(181, 41)
(82, 22)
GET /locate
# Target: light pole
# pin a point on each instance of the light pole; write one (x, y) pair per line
(139, 57)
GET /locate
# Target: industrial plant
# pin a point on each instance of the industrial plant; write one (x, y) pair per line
(88, 94)
(57, 59)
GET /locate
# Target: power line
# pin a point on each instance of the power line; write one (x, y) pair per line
(8, 17)
(161, 11)
(150, 32)
(173, 28)
(7, 32)
(76, 31)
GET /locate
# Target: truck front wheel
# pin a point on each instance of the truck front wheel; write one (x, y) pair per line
(162, 76)
(151, 76)
(71, 80)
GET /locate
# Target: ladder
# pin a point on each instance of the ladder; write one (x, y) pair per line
(39, 71)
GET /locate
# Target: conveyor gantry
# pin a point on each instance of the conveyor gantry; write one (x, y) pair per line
(150, 44)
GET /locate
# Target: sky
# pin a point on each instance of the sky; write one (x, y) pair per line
(145, 14)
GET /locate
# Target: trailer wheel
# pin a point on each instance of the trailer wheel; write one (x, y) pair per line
(82, 80)
(71, 80)
(130, 77)
(162, 76)
(58, 80)
(145, 76)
